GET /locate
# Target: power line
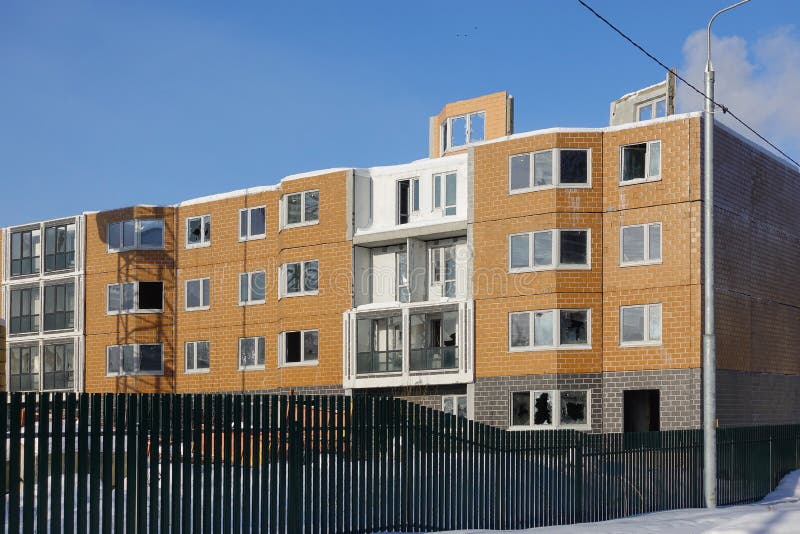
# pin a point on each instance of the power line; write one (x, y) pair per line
(724, 109)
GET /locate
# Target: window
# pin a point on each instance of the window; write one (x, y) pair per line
(24, 311)
(446, 203)
(548, 249)
(251, 353)
(301, 208)
(640, 244)
(300, 278)
(300, 347)
(443, 269)
(463, 129)
(251, 288)
(25, 252)
(548, 329)
(135, 297)
(640, 162)
(252, 223)
(379, 345)
(640, 325)
(136, 234)
(197, 356)
(23, 367)
(59, 306)
(198, 294)
(550, 409)
(198, 231)
(59, 366)
(407, 199)
(136, 359)
(455, 404)
(433, 340)
(59, 247)
(652, 109)
(403, 292)
(559, 167)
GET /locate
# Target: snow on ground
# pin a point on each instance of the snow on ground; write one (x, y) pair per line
(777, 513)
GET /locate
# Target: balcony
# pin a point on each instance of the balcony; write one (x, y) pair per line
(408, 344)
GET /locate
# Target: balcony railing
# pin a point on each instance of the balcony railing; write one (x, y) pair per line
(433, 358)
(383, 361)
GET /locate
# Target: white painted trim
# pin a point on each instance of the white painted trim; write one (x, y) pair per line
(555, 251)
(556, 410)
(647, 176)
(249, 302)
(249, 236)
(647, 260)
(203, 243)
(136, 359)
(284, 210)
(282, 349)
(555, 171)
(284, 280)
(203, 296)
(646, 329)
(557, 345)
(256, 366)
(135, 308)
(137, 235)
(196, 370)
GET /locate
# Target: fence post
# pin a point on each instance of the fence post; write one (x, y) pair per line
(579, 444)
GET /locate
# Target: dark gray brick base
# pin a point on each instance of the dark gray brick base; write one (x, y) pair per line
(745, 398)
(430, 396)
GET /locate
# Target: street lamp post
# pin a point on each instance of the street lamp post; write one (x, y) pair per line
(709, 342)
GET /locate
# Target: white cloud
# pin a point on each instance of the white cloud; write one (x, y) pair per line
(759, 82)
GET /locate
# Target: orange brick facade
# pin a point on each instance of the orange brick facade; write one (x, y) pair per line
(755, 310)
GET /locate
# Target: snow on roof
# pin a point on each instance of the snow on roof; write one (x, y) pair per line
(417, 165)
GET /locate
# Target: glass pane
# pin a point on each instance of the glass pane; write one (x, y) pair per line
(294, 205)
(260, 350)
(203, 354)
(243, 223)
(633, 244)
(292, 347)
(437, 191)
(207, 228)
(150, 358)
(520, 251)
(520, 408)
(661, 108)
(461, 406)
(113, 236)
(194, 231)
(633, 323)
(449, 329)
(189, 356)
(633, 158)
(415, 203)
(646, 112)
(257, 221)
(543, 328)
(573, 247)
(655, 242)
(574, 167)
(193, 294)
(542, 408)
(310, 346)
(128, 296)
(206, 291)
(128, 362)
(542, 249)
(520, 170)
(458, 131)
(112, 363)
(450, 191)
(574, 328)
(543, 169)
(655, 322)
(257, 285)
(476, 127)
(247, 351)
(244, 287)
(573, 407)
(312, 206)
(152, 233)
(520, 330)
(292, 278)
(402, 268)
(128, 234)
(655, 160)
(311, 276)
(447, 405)
(113, 298)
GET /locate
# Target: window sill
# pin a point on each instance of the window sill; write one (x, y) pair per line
(252, 303)
(548, 188)
(300, 294)
(25, 276)
(639, 181)
(640, 263)
(59, 271)
(299, 364)
(198, 245)
(139, 373)
(196, 371)
(199, 308)
(252, 368)
(56, 331)
(252, 238)
(566, 267)
(548, 427)
(129, 249)
(133, 312)
(550, 347)
(626, 344)
(299, 225)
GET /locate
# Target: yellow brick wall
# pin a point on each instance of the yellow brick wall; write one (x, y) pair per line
(495, 105)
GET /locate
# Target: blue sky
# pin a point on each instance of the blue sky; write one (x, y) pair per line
(109, 104)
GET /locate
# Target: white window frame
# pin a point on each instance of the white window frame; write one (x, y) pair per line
(399, 286)
(454, 399)
(250, 302)
(195, 369)
(556, 345)
(284, 280)
(205, 220)
(285, 209)
(446, 130)
(647, 341)
(647, 176)
(652, 105)
(555, 252)
(647, 260)
(250, 236)
(203, 297)
(257, 366)
(437, 254)
(135, 308)
(439, 190)
(136, 359)
(137, 236)
(555, 171)
(555, 395)
(282, 349)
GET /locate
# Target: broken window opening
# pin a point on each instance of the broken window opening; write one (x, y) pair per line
(640, 162)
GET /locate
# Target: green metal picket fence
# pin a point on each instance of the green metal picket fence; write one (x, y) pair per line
(289, 464)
